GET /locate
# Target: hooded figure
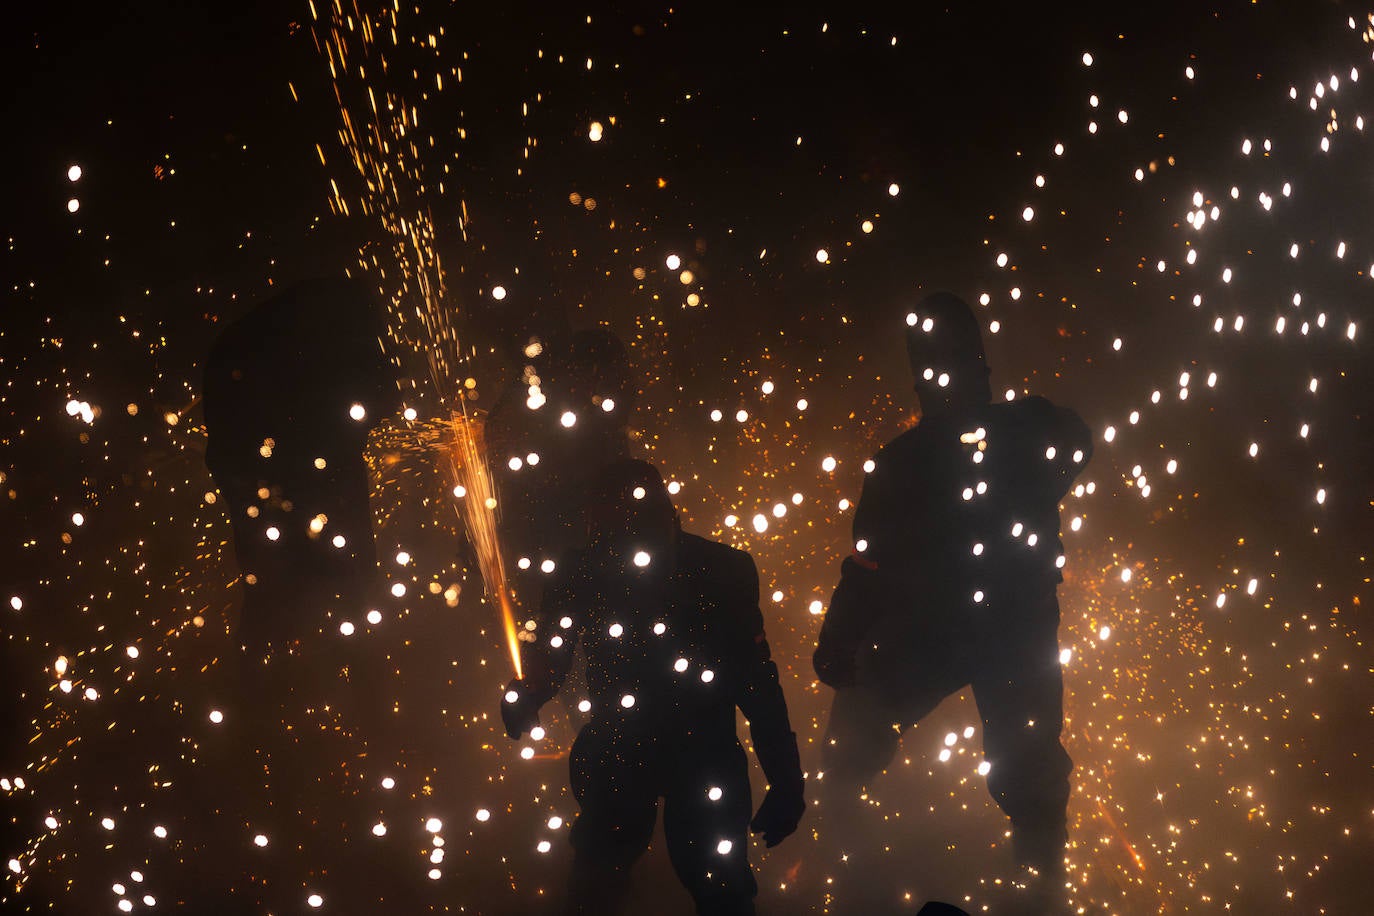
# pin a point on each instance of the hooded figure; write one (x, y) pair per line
(673, 637)
(548, 437)
(291, 390)
(953, 581)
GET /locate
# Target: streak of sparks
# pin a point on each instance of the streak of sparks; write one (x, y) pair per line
(477, 506)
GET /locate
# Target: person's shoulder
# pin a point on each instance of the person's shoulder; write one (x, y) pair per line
(229, 343)
(1038, 418)
(1028, 406)
(706, 552)
(904, 443)
(905, 439)
(724, 578)
(1033, 409)
(719, 565)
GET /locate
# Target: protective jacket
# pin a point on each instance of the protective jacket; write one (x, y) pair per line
(955, 536)
(668, 660)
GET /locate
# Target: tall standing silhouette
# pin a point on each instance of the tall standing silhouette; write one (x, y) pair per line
(673, 637)
(953, 582)
(291, 390)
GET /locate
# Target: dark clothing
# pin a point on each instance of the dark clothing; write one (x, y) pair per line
(284, 450)
(617, 785)
(668, 661)
(923, 510)
(957, 559)
(1019, 690)
(711, 619)
(957, 527)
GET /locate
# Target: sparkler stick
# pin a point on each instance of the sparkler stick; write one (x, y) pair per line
(477, 508)
(381, 145)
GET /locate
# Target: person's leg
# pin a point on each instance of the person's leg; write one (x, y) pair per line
(1020, 696)
(864, 732)
(862, 737)
(616, 791)
(706, 811)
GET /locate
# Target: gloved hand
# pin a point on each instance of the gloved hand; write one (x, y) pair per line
(519, 709)
(778, 816)
(836, 668)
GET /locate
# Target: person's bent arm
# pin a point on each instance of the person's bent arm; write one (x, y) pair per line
(855, 603)
(546, 660)
(764, 706)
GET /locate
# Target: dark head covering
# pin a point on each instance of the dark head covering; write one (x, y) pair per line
(626, 490)
(937, 908)
(629, 508)
(943, 330)
(598, 365)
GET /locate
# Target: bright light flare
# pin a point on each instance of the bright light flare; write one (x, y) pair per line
(471, 475)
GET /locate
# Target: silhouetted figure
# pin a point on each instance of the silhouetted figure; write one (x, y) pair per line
(291, 390)
(551, 433)
(673, 638)
(953, 582)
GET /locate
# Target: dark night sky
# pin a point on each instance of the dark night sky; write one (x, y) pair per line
(962, 114)
(203, 190)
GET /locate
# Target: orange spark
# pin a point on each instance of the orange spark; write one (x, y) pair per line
(476, 494)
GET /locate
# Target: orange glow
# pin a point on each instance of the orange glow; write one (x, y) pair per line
(477, 508)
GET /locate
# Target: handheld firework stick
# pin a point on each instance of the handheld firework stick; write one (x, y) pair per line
(476, 495)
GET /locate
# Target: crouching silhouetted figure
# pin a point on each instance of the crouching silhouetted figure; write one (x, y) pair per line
(674, 641)
(953, 581)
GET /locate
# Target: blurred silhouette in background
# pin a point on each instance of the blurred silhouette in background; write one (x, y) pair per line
(291, 390)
